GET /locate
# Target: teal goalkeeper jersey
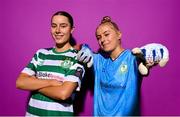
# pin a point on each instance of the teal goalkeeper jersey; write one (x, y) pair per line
(116, 85)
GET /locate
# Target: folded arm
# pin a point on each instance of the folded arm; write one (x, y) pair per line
(51, 88)
(28, 82)
(59, 92)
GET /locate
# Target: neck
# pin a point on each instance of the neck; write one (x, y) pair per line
(116, 52)
(62, 48)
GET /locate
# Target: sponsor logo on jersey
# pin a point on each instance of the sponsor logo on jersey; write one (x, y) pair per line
(44, 75)
(113, 86)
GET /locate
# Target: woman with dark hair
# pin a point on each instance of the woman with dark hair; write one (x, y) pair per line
(53, 74)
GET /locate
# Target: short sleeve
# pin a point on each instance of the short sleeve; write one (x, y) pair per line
(76, 75)
(31, 68)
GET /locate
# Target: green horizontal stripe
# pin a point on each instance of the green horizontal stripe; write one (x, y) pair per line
(70, 72)
(56, 57)
(69, 50)
(31, 66)
(57, 69)
(42, 112)
(42, 97)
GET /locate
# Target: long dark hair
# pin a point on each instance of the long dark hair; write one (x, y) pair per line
(66, 14)
(71, 21)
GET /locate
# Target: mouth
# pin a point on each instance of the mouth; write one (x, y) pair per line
(59, 36)
(105, 44)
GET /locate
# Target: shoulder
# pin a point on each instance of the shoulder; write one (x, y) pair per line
(71, 53)
(72, 50)
(128, 51)
(44, 50)
(128, 54)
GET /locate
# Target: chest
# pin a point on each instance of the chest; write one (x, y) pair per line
(55, 67)
(113, 74)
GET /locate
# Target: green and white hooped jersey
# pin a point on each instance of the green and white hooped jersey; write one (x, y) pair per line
(49, 64)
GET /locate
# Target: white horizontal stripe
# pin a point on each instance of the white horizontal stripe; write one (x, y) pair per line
(50, 52)
(51, 105)
(75, 66)
(45, 51)
(28, 71)
(70, 54)
(33, 61)
(30, 115)
(74, 79)
(55, 62)
(52, 62)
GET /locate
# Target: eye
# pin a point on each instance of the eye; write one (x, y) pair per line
(98, 37)
(53, 25)
(63, 25)
(107, 34)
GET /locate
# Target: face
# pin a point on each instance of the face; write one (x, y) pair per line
(61, 29)
(108, 37)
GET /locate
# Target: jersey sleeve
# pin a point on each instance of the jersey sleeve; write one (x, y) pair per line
(31, 68)
(76, 74)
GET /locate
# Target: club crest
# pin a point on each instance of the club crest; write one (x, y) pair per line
(67, 63)
(123, 68)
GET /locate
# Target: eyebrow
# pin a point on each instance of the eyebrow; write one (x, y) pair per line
(63, 24)
(60, 23)
(104, 32)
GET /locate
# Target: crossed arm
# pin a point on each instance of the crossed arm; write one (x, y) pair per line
(49, 87)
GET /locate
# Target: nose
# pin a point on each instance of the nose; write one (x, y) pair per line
(58, 30)
(102, 40)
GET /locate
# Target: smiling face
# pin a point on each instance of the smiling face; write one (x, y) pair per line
(108, 37)
(61, 29)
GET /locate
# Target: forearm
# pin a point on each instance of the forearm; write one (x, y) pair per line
(53, 92)
(31, 83)
(59, 92)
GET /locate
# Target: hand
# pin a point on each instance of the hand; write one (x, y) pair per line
(152, 54)
(54, 82)
(85, 55)
(155, 54)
